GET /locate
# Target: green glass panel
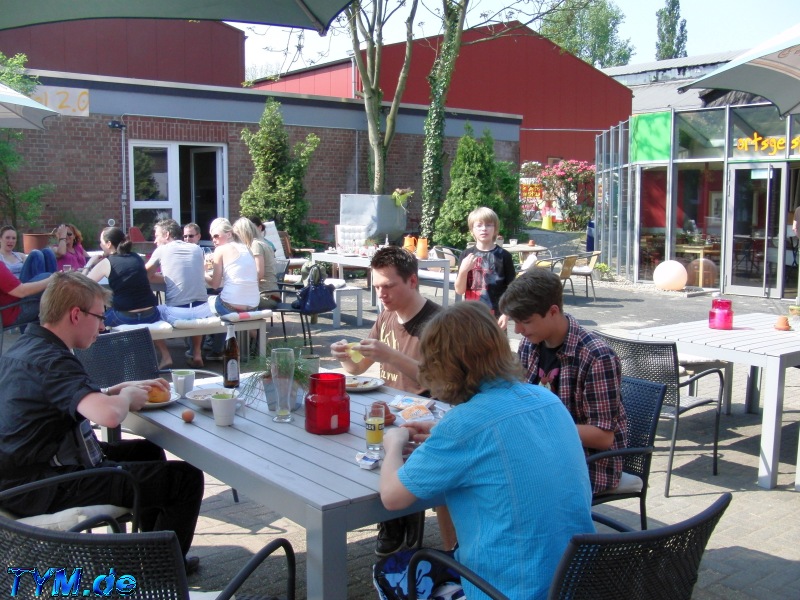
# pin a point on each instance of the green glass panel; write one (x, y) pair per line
(650, 137)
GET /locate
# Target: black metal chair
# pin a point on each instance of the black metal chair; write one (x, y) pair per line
(81, 517)
(658, 361)
(153, 560)
(125, 356)
(637, 565)
(22, 325)
(642, 401)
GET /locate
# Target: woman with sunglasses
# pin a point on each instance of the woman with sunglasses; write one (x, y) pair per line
(233, 268)
(69, 249)
(133, 302)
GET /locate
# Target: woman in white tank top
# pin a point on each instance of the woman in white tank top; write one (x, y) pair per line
(234, 269)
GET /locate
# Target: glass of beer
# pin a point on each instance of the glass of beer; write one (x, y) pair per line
(374, 420)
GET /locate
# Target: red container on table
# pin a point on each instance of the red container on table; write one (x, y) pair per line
(721, 314)
(327, 404)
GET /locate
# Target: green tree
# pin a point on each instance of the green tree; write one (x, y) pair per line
(276, 192)
(671, 31)
(20, 208)
(476, 180)
(589, 30)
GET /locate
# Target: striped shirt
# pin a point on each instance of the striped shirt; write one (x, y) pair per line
(589, 386)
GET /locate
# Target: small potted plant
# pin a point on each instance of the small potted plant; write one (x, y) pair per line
(260, 377)
(605, 272)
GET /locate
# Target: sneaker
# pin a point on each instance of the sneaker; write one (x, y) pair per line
(414, 524)
(213, 356)
(391, 537)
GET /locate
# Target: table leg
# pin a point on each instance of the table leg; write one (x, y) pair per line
(753, 390)
(774, 376)
(326, 554)
(262, 338)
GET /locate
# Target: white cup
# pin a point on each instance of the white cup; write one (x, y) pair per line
(224, 407)
(513, 241)
(66, 269)
(183, 381)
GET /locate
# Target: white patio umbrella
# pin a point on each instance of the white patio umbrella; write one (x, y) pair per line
(771, 70)
(306, 14)
(20, 112)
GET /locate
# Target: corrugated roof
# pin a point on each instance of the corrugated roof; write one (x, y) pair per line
(674, 63)
(663, 96)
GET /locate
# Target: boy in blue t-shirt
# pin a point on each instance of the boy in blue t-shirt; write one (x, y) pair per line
(485, 270)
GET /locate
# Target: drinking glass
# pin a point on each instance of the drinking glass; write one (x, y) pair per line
(282, 368)
(374, 418)
(66, 269)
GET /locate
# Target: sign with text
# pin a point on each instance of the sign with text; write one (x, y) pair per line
(71, 102)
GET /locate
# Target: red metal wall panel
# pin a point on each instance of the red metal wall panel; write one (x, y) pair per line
(564, 101)
(203, 52)
(333, 80)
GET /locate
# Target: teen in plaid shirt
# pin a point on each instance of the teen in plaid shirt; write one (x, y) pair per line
(578, 367)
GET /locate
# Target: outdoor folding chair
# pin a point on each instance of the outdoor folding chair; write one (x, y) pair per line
(586, 271)
(152, 559)
(565, 274)
(658, 361)
(637, 565)
(642, 401)
(285, 307)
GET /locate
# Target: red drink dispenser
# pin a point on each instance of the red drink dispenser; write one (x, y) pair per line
(327, 404)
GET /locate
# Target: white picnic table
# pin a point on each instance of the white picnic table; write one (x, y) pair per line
(311, 479)
(755, 342)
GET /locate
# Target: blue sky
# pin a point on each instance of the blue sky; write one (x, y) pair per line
(712, 25)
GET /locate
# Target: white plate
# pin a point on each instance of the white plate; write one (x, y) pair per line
(202, 397)
(173, 398)
(355, 383)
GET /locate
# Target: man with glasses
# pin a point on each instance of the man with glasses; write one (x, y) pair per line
(47, 404)
(191, 233)
(183, 273)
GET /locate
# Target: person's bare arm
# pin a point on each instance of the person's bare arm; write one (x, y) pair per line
(460, 285)
(214, 280)
(60, 249)
(109, 410)
(394, 495)
(595, 438)
(23, 290)
(381, 353)
(100, 270)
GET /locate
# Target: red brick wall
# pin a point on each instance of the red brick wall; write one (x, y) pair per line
(82, 158)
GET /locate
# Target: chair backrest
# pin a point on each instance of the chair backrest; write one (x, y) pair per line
(350, 235)
(640, 565)
(120, 356)
(591, 260)
(153, 559)
(653, 361)
(566, 267)
(642, 401)
(135, 234)
(272, 236)
(286, 243)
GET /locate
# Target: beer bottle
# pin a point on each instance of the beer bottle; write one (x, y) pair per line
(230, 360)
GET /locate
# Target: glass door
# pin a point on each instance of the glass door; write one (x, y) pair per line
(755, 230)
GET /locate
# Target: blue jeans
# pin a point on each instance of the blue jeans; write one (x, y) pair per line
(39, 262)
(114, 317)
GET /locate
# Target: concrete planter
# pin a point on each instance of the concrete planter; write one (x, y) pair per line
(378, 213)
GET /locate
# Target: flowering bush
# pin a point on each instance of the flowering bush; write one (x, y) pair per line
(570, 184)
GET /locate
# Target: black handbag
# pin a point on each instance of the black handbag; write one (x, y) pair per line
(316, 297)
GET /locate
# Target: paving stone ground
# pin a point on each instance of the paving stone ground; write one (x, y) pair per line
(754, 552)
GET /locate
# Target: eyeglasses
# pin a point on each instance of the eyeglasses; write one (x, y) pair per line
(189, 235)
(102, 318)
(70, 234)
(216, 236)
